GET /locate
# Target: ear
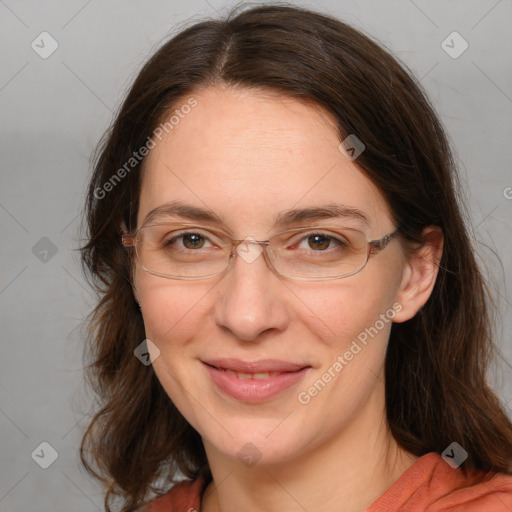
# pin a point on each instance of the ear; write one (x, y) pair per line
(420, 274)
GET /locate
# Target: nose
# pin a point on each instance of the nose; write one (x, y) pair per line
(252, 300)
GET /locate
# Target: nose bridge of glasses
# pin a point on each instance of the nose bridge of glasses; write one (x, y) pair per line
(249, 240)
(249, 249)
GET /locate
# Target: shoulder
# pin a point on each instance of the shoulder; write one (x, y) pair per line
(432, 485)
(489, 492)
(185, 496)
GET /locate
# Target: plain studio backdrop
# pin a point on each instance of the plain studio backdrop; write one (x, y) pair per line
(65, 66)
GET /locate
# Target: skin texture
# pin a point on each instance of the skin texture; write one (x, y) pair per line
(248, 155)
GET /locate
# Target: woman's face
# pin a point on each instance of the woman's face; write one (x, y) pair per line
(248, 157)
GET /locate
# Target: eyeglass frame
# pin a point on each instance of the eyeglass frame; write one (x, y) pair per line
(129, 240)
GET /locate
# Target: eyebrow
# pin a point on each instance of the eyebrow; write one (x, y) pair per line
(282, 219)
(186, 211)
(331, 211)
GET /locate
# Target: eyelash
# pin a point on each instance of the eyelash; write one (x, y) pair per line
(331, 238)
(181, 235)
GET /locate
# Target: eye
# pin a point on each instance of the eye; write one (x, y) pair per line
(189, 240)
(193, 240)
(319, 242)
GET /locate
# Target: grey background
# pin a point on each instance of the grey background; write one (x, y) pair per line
(53, 112)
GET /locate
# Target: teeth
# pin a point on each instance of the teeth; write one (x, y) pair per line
(260, 376)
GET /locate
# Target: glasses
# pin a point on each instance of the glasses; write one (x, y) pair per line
(178, 250)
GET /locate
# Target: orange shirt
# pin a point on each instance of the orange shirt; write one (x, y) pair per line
(429, 485)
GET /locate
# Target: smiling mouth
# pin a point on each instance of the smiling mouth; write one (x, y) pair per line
(255, 375)
(255, 382)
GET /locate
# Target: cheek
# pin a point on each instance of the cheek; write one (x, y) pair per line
(172, 310)
(340, 312)
(173, 314)
(356, 321)
(352, 320)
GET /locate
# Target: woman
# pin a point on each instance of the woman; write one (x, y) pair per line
(274, 226)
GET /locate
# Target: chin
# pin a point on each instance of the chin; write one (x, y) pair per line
(255, 441)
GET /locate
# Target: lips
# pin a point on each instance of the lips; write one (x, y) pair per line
(254, 381)
(252, 367)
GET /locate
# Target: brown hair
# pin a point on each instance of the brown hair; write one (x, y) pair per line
(436, 363)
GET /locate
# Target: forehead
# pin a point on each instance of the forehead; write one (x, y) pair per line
(248, 155)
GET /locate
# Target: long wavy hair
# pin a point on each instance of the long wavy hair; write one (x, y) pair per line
(436, 363)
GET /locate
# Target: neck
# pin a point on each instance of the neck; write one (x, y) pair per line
(348, 472)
